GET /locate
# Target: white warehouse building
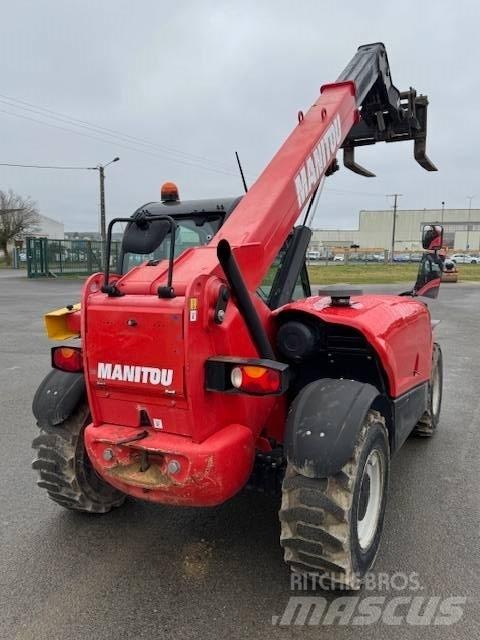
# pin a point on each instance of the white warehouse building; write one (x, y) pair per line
(48, 228)
(461, 230)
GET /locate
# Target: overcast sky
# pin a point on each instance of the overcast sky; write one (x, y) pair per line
(195, 80)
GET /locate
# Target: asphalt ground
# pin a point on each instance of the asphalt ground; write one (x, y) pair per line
(149, 571)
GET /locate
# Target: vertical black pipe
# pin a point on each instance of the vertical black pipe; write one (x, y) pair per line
(244, 301)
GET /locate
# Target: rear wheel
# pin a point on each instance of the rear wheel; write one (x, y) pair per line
(65, 470)
(331, 527)
(428, 423)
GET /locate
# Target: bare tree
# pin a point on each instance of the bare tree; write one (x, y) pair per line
(18, 217)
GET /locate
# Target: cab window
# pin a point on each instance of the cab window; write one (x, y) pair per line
(191, 232)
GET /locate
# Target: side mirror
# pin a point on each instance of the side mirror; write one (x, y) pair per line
(432, 237)
(429, 276)
(144, 236)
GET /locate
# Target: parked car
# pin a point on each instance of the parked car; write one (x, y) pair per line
(339, 258)
(464, 258)
(356, 257)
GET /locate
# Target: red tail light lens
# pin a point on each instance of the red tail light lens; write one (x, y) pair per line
(246, 375)
(67, 359)
(256, 379)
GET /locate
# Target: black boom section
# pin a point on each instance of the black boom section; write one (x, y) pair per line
(387, 115)
(323, 424)
(370, 71)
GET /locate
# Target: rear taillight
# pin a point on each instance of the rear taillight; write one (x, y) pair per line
(256, 379)
(245, 375)
(67, 359)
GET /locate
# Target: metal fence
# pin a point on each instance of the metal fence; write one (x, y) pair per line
(47, 257)
(344, 255)
(336, 255)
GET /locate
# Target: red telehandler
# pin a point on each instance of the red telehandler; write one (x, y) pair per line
(206, 364)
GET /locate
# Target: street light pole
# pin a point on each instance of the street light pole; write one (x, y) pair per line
(395, 197)
(103, 223)
(469, 198)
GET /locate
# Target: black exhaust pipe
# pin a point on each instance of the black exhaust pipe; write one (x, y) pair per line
(244, 301)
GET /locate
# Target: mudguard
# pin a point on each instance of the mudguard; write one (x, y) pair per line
(57, 396)
(323, 424)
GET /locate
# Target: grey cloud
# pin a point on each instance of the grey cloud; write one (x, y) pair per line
(211, 77)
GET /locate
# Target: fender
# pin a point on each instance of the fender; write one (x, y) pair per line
(323, 423)
(57, 396)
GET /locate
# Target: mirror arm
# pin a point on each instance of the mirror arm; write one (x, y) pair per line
(111, 289)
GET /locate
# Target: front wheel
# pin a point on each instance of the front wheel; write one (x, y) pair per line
(331, 527)
(65, 470)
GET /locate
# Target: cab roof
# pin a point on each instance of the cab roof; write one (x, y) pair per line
(223, 206)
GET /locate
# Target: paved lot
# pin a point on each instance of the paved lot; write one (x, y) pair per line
(147, 571)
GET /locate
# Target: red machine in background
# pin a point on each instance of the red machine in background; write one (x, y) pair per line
(206, 363)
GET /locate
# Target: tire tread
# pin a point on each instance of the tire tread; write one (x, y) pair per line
(314, 516)
(57, 448)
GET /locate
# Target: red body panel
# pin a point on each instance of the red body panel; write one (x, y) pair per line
(397, 327)
(163, 335)
(208, 474)
(189, 423)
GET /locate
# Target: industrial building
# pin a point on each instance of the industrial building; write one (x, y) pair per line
(48, 228)
(45, 227)
(375, 230)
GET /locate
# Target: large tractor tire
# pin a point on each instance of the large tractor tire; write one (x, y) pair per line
(65, 470)
(331, 527)
(428, 423)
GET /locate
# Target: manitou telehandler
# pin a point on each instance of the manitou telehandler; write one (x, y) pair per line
(206, 364)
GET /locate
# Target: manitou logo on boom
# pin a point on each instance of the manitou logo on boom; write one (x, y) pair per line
(133, 373)
(318, 161)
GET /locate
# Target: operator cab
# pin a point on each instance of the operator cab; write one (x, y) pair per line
(197, 222)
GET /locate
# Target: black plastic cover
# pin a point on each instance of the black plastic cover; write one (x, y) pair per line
(296, 340)
(57, 396)
(323, 424)
(145, 238)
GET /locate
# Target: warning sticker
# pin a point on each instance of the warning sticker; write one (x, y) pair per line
(193, 305)
(157, 423)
